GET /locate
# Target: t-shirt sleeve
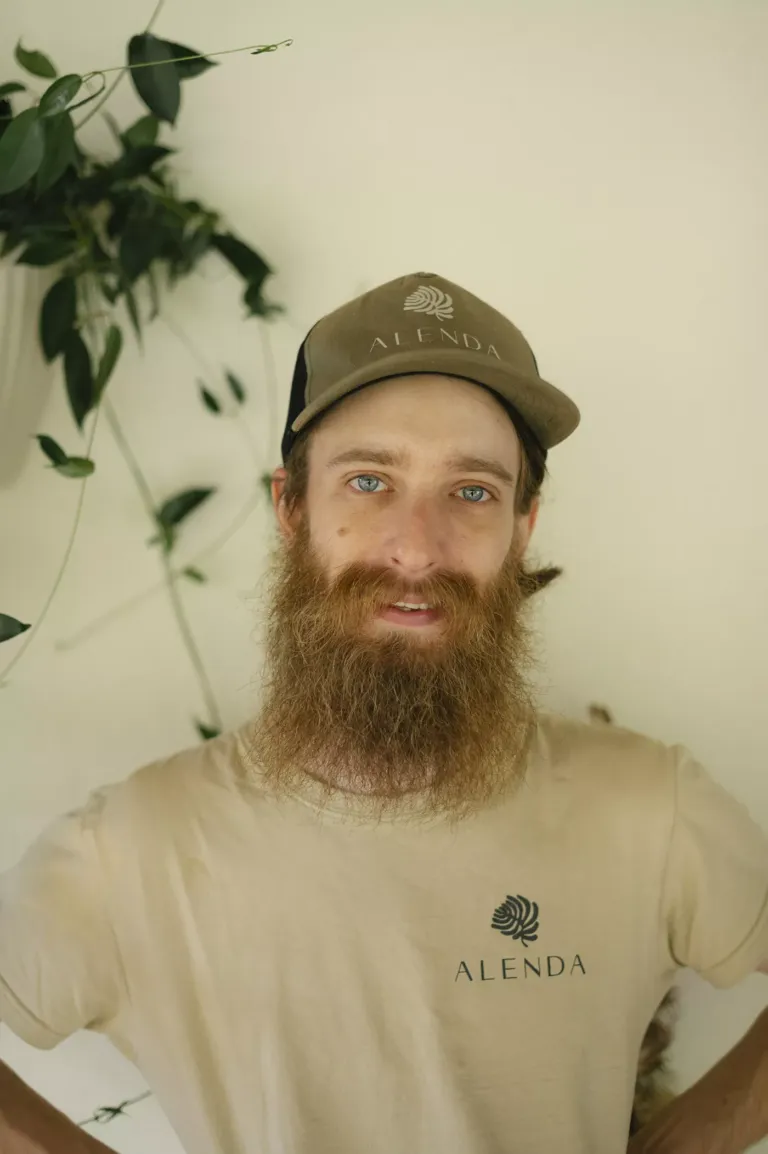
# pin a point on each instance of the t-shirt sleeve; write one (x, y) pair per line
(716, 886)
(59, 969)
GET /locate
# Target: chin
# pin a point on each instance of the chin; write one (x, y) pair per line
(412, 635)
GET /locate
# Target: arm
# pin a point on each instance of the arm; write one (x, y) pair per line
(725, 1112)
(30, 1125)
(59, 972)
(715, 921)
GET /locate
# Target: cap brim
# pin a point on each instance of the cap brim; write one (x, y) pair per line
(550, 413)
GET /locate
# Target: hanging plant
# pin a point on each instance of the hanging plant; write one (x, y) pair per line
(108, 226)
(118, 236)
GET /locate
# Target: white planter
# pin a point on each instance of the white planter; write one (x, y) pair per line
(25, 377)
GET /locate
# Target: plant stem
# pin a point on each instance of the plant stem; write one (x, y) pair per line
(32, 633)
(109, 1113)
(255, 49)
(148, 500)
(170, 581)
(125, 607)
(211, 373)
(214, 715)
(121, 72)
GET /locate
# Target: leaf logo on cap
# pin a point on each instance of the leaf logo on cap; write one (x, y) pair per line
(432, 301)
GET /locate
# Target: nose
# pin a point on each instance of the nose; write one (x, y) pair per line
(415, 543)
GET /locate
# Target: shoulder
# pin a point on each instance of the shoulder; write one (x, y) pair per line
(597, 761)
(172, 790)
(564, 741)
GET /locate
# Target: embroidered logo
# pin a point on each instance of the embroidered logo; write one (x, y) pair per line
(432, 301)
(517, 918)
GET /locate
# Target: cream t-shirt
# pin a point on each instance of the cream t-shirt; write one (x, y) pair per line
(297, 981)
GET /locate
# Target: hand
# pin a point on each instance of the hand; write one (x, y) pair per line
(726, 1112)
(680, 1128)
(30, 1125)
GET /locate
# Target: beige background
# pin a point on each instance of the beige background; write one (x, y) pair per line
(596, 170)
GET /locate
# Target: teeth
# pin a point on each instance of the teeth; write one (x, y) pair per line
(409, 605)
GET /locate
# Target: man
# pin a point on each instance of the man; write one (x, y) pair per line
(403, 911)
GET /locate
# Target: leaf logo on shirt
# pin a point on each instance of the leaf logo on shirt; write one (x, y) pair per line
(517, 918)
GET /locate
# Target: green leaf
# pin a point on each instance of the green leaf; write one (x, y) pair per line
(210, 402)
(112, 347)
(60, 150)
(57, 316)
(238, 392)
(196, 245)
(10, 627)
(154, 293)
(158, 86)
(35, 62)
(11, 87)
(187, 69)
(42, 253)
(161, 180)
(78, 375)
(243, 259)
(22, 147)
(194, 575)
(139, 245)
(166, 538)
(138, 161)
(109, 290)
(113, 126)
(52, 450)
(13, 238)
(207, 732)
(122, 204)
(133, 309)
(177, 508)
(76, 467)
(61, 93)
(255, 303)
(67, 466)
(143, 132)
(6, 115)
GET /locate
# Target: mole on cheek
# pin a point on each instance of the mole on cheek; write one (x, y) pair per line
(342, 532)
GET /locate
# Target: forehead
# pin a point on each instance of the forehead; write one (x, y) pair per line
(426, 415)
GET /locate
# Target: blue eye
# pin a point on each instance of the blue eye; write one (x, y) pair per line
(477, 497)
(364, 478)
(368, 483)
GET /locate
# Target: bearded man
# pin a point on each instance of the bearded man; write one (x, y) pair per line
(403, 910)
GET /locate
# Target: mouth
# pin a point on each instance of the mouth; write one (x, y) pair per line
(410, 614)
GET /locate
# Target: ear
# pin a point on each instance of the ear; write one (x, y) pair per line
(533, 516)
(286, 520)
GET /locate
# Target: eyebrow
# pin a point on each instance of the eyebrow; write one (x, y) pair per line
(461, 462)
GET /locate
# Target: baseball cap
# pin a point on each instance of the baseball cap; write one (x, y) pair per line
(423, 323)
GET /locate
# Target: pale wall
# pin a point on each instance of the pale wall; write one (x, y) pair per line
(596, 170)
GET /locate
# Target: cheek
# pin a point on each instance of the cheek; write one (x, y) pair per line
(481, 560)
(338, 542)
(483, 554)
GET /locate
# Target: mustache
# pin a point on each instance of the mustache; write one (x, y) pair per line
(372, 587)
(375, 587)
